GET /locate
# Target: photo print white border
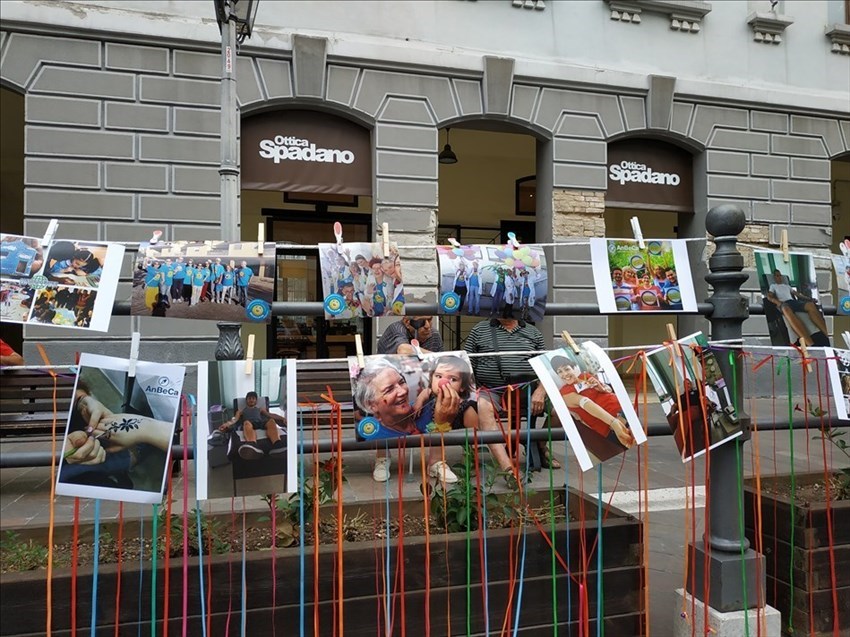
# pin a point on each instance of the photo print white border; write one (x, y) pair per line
(838, 364)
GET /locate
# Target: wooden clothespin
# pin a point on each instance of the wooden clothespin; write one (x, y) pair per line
(807, 367)
(155, 237)
(47, 239)
(136, 338)
(249, 356)
(261, 237)
(338, 235)
(783, 244)
(671, 333)
(453, 242)
(385, 238)
(415, 344)
(846, 337)
(637, 232)
(358, 346)
(569, 341)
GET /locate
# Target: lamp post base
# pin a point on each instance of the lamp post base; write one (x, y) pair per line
(691, 621)
(727, 578)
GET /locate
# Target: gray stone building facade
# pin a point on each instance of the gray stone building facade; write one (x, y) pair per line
(121, 122)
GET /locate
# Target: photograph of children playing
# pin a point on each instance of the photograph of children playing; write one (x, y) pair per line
(791, 302)
(693, 395)
(248, 425)
(591, 403)
(631, 279)
(67, 284)
(210, 280)
(498, 281)
(118, 439)
(365, 282)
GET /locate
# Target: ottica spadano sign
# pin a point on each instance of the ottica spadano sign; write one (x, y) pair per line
(649, 174)
(306, 152)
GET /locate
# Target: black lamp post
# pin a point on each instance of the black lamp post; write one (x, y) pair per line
(236, 21)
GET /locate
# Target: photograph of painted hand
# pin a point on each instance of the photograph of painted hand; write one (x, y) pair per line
(119, 434)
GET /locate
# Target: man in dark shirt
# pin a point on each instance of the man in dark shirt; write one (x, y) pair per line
(505, 335)
(251, 418)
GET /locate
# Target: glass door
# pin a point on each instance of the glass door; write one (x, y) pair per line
(298, 280)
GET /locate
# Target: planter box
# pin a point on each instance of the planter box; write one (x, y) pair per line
(452, 603)
(801, 579)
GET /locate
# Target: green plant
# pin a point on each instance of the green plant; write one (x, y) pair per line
(19, 555)
(214, 535)
(456, 506)
(836, 438)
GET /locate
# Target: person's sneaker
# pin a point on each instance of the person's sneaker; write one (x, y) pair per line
(381, 472)
(249, 451)
(278, 447)
(442, 472)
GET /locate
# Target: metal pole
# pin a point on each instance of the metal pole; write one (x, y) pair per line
(229, 169)
(730, 552)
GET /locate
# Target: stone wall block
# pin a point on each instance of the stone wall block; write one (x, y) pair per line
(659, 100)
(572, 275)
(70, 228)
(57, 142)
(392, 136)
(406, 192)
(741, 141)
(744, 204)
(394, 164)
(722, 186)
(42, 109)
(578, 176)
(192, 232)
(248, 86)
(179, 149)
(309, 64)
(805, 191)
(191, 180)
(169, 208)
(769, 122)
(729, 163)
(572, 295)
(825, 128)
(770, 166)
(810, 169)
(408, 220)
(584, 126)
(194, 64)
(523, 101)
(579, 151)
(136, 177)
(68, 173)
(795, 146)
(376, 85)
(145, 117)
(812, 214)
(120, 231)
(582, 326)
(342, 81)
(276, 76)
(25, 53)
(127, 57)
(680, 119)
(634, 112)
(85, 205)
(707, 118)
(802, 235)
(197, 121)
(497, 82)
(771, 211)
(469, 96)
(406, 111)
(172, 90)
(85, 83)
(554, 102)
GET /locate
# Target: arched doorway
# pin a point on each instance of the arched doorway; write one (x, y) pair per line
(653, 181)
(302, 170)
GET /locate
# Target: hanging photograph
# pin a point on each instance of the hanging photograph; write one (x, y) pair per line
(246, 428)
(838, 364)
(398, 396)
(841, 263)
(66, 284)
(791, 301)
(117, 442)
(655, 279)
(358, 280)
(486, 280)
(591, 402)
(207, 280)
(694, 396)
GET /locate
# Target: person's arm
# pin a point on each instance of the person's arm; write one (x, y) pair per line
(12, 358)
(267, 414)
(228, 424)
(127, 430)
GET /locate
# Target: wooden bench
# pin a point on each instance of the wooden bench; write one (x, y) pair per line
(315, 378)
(27, 401)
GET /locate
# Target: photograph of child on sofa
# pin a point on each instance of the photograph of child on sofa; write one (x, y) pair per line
(248, 419)
(791, 302)
(693, 395)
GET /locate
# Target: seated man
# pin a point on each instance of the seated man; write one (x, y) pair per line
(789, 302)
(249, 420)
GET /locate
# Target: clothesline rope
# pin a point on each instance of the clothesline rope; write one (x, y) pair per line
(733, 343)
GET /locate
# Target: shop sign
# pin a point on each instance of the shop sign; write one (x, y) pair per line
(306, 151)
(649, 173)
